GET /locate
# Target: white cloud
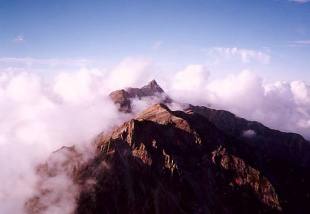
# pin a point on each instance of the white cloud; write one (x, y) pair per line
(249, 133)
(301, 92)
(130, 72)
(279, 105)
(245, 55)
(188, 83)
(39, 115)
(192, 78)
(19, 39)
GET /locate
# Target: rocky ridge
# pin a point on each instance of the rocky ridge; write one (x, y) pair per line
(198, 160)
(123, 98)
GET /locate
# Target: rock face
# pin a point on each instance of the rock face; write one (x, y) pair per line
(284, 158)
(198, 160)
(167, 161)
(123, 98)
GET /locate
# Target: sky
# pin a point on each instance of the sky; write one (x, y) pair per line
(269, 37)
(59, 59)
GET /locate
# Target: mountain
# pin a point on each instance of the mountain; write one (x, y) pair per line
(123, 98)
(282, 157)
(196, 160)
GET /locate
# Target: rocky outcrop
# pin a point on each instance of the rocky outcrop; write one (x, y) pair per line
(167, 161)
(123, 98)
(282, 157)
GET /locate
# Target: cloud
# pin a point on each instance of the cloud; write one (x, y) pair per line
(130, 72)
(43, 113)
(39, 116)
(29, 61)
(188, 83)
(19, 39)
(279, 105)
(191, 78)
(249, 133)
(244, 55)
(300, 43)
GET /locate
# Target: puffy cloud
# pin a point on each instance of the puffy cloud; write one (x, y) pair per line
(38, 117)
(234, 91)
(301, 92)
(40, 114)
(188, 84)
(192, 78)
(279, 105)
(130, 72)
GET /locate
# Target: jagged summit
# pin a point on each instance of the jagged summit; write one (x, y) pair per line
(153, 86)
(124, 97)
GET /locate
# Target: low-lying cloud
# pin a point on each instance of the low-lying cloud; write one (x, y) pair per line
(41, 114)
(38, 117)
(279, 105)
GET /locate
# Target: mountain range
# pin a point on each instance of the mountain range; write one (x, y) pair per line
(193, 160)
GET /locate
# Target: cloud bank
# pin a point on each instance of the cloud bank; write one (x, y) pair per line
(41, 114)
(38, 117)
(279, 105)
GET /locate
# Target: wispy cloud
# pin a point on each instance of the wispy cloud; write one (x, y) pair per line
(245, 55)
(19, 39)
(44, 61)
(300, 43)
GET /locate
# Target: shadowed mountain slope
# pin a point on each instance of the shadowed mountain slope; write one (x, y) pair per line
(197, 160)
(169, 161)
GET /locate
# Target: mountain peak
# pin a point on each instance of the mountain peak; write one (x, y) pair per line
(153, 85)
(123, 97)
(153, 82)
